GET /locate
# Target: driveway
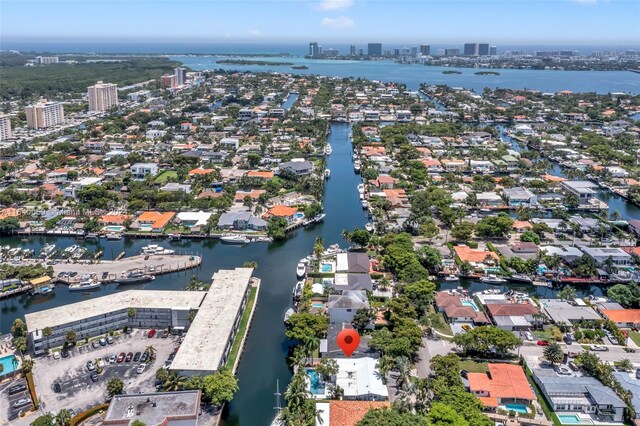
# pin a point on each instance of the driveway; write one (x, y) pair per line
(429, 349)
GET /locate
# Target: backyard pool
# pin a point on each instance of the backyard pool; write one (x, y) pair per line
(573, 419)
(471, 304)
(327, 267)
(518, 408)
(9, 364)
(318, 305)
(299, 215)
(315, 384)
(113, 228)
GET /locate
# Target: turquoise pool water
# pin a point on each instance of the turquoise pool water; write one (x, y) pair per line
(316, 385)
(572, 419)
(326, 267)
(8, 364)
(114, 228)
(317, 305)
(518, 408)
(475, 308)
(299, 215)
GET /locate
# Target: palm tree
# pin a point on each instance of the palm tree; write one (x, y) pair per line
(63, 418)
(47, 332)
(567, 293)
(615, 215)
(174, 382)
(346, 235)
(131, 313)
(27, 365)
(194, 284)
(311, 344)
(421, 394)
(318, 248)
(152, 351)
(71, 336)
(403, 367)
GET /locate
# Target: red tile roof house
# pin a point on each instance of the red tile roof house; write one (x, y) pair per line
(502, 384)
(624, 318)
(512, 316)
(455, 311)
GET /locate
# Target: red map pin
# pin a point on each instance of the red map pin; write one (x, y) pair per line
(348, 340)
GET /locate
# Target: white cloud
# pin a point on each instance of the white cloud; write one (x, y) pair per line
(335, 4)
(254, 32)
(339, 22)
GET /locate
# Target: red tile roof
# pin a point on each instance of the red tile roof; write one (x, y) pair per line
(622, 315)
(506, 381)
(348, 413)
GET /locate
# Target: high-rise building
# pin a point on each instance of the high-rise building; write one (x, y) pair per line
(396, 52)
(5, 127)
(493, 50)
(314, 49)
(169, 81)
(470, 49)
(330, 52)
(414, 51)
(425, 49)
(374, 49)
(46, 60)
(352, 50)
(181, 75)
(451, 52)
(102, 96)
(360, 52)
(44, 114)
(483, 49)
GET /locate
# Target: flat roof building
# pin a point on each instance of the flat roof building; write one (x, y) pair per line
(44, 114)
(162, 408)
(102, 96)
(5, 127)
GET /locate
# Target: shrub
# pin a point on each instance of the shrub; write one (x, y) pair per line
(80, 417)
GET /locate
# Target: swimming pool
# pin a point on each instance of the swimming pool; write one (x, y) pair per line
(315, 384)
(573, 419)
(299, 215)
(9, 364)
(114, 228)
(471, 304)
(327, 267)
(518, 408)
(318, 305)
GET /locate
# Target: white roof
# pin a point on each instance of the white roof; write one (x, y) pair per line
(324, 413)
(341, 279)
(342, 262)
(199, 217)
(359, 376)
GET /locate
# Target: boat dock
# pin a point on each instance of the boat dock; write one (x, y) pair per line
(150, 265)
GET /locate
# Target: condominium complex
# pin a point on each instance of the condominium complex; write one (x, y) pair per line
(181, 75)
(102, 96)
(374, 49)
(44, 114)
(5, 127)
(46, 60)
(169, 81)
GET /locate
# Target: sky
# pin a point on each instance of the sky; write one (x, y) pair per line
(514, 22)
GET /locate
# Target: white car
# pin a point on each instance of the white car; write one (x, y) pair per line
(141, 368)
(56, 355)
(529, 336)
(598, 348)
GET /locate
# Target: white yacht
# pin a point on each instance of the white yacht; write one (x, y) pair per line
(492, 279)
(234, 239)
(301, 270)
(451, 278)
(328, 150)
(89, 284)
(327, 173)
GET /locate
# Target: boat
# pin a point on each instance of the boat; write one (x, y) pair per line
(327, 173)
(113, 236)
(492, 279)
(234, 239)
(175, 236)
(152, 249)
(89, 284)
(277, 420)
(288, 314)
(301, 270)
(451, 278)
(369, 227)
(365, 204)
(297, 290)
(328, 150)
(319, 218)
(135, 277)
(520, 278)
(356, 166)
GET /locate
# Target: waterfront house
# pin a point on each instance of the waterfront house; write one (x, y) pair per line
(353, 262)
(329, 346)
(563, 312)
(343, 307)
(346, 282)
(360, 379)
(345, 413)
(297, 166)
(475, 257)
(193, 219)
(601, 255)
(502, 384)
(625, 318)
(519, 196)
(457, 310)
(240, 221)
(152, 221)
(286, 212)
(567, 253)
(512, 316)
(583, 189)
(631, 383)
(489, 200)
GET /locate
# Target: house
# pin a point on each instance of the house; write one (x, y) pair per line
(345, 413)
(229, 143)
(634, 225)
(354, 263)
(567, 253)
(71, 190)
(457, 310)
(602, 255)
(155, 134)
(193, 219)
(329, 346)
(502, 384)
(629, 382)
(245, 114)
(346, 282)
(562, 312)
(343, 307)
(152, 221)
(360, 379)
(512, 316)
(583, 189)
(266, 175)
(113, 219)
(240, 221)
(297, 166)
(584, 395)
(161, 408)
(489, 199)
(474, 256)
(176, 187)
(525, 129)
(253, 194)
(141, 170)
(519, 196)
(286, 212)
(626, 318)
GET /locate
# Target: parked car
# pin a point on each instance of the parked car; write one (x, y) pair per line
(56, 355)
(91, 366)
(109, 340)
(121, 357)
(151, 333)
(95, 344)
(638, 373)
(57, 388)
(137, 356)
(568, 338)
(562, 370)
(103, 342)
(94, 377)
(464, 373)
(100, 363)
(64, 353)
(129, 357)
(466, 327)
(573, 366)
(112, 359)
(21, 402)
(144, 357)
(528, 336)
(543, 343)
(141, 368)
(598, 348)
(17, 388)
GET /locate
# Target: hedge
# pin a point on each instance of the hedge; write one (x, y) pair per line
(32, 389)
(80, 417)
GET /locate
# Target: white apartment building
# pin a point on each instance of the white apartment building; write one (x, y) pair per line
(46, 60)
(5, 127)
(181, 75)
(44, 114)
(102, 96)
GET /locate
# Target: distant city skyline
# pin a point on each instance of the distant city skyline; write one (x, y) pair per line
(514, 22)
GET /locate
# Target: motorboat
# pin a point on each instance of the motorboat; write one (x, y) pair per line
(327, 173)
(135, 277)
(89, 284)
(492, 279)
(113, 236)
(301, 270)
(521, 278)
(288, 314)
(369, 227)
(234, 239)
(328, 150)
(356, 166)
(360, 188)
(451, 278)
(152, 249)
(365, 204)
(319, 218)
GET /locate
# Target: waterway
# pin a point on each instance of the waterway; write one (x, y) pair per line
(414, 75)
(264, 358)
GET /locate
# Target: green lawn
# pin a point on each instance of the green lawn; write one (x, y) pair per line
(244, 323)
(635, 336)
(165, 176)
(542, 335)
(474, 366)
(438, 322)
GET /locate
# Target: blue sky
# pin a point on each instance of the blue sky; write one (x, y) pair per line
(565, 22)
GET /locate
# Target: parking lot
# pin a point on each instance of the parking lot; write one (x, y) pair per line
(78, 391)
(8, 400)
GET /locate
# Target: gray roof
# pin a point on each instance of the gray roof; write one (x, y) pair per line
(296, 165)
(356, 299)
(518, 193)
(559, 386)
(358, 262)
(154, 408)
(631, 384)
(329, 346)
(563, 312)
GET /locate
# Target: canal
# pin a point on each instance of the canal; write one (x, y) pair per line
(264, 358)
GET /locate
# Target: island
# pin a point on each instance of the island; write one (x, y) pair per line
(487, 73)
(299, 67)
(451, 72)
(250, 62)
